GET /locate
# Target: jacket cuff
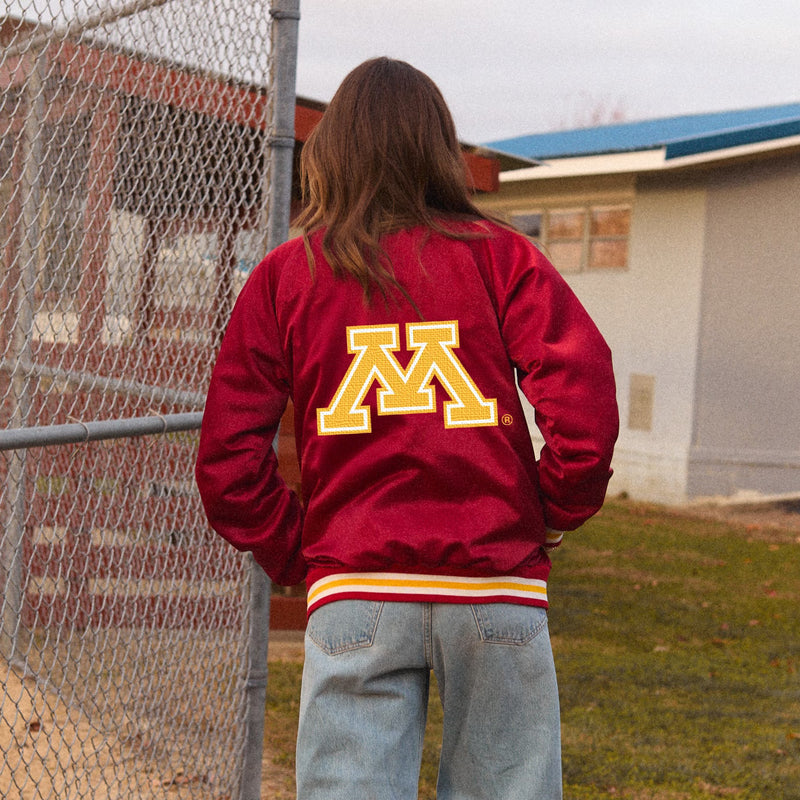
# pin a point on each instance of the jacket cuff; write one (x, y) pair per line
(552, 538)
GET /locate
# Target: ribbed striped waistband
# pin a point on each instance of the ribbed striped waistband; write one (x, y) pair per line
(400, 586)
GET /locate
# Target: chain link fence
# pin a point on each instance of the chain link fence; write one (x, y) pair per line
(142, 146)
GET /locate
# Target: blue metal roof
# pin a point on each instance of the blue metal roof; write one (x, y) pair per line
(681, 136)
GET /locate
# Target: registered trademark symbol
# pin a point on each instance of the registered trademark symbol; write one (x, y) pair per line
(507, 419)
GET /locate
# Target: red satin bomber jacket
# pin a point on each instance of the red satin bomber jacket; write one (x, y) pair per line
(419, 480)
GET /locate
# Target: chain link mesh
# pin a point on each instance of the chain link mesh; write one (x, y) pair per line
(132, 205)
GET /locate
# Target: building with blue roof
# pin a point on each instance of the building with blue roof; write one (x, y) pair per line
(682, 238)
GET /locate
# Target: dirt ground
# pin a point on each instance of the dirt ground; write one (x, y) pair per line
(49, 750)
(764, 519)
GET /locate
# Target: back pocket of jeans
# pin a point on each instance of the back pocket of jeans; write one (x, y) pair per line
(509, 623)
(344, 625)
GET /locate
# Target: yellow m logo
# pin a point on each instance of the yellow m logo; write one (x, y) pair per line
(404, 391)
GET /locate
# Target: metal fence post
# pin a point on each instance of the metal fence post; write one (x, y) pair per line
(280, 142)
(286, 16)
(21, 358)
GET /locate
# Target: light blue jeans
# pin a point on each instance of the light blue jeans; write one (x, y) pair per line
(364, 702)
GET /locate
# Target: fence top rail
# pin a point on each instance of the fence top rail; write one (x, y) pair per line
(78, 432)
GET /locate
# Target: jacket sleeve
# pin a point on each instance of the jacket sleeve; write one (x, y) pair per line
(565, 371)
(245, 499)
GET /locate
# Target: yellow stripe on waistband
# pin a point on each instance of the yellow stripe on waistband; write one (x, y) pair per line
(402, 583)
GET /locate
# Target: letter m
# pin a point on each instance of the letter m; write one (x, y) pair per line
(406, 391)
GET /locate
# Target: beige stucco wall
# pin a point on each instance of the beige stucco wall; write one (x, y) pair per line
(655, 330)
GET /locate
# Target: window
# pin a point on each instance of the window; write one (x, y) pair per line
(580, 237)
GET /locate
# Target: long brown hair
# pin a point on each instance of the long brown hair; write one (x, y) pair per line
(384, 156)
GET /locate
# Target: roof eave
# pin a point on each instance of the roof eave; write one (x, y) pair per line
(735, 137)
(576, 166)
(658, 160)
(508, 161)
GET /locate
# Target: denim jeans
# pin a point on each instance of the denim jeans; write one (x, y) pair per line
(364, 700)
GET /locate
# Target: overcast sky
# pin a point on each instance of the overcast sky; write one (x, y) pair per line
(512, 67)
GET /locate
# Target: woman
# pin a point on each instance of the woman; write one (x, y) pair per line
(400, 324)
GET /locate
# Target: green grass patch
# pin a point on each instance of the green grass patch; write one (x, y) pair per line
(677, 645)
